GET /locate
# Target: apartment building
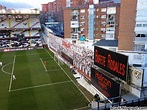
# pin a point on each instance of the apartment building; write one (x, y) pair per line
(133, 25)
(107, 21)
(44, 7)
(2, 7)
(92, 22)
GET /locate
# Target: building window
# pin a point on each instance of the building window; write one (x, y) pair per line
(103, 16)
(74, 36)
(97, 34)
(110, 24)
(82, 10)
(103, 23)
(111, 17)
(103, 30)
(82, 30)
(74, 17)
(74, 23)
(144, 25)
(110, 29)
(141, 35)
(82, 23)
(103, 36)
(82, 17)
(138, 47)
(138, 25)
(83, 35)
(103, 9)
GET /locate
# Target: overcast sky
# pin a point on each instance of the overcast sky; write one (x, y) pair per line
(26, 3)
(23, 3)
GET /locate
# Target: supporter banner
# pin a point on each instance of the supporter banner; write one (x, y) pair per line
(112, 62)
(66, 57)
(66, 44)
(104, 84)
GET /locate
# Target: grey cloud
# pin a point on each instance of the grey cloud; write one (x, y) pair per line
(10, 5)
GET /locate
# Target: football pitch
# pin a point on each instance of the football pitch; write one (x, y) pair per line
(40, 84)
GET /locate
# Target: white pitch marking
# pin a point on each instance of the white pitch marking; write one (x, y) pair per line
(12, 74)
(4, 67)
(39, 86)
(43, 64)
(70, 78)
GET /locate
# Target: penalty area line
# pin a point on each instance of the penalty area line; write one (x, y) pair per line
(12, 74)
(70, 78)
(38, 86)
(43, 64)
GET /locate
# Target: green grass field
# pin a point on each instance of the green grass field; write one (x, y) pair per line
(38, 86)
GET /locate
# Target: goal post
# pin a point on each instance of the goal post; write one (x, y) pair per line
(55, 57)
(58, 59)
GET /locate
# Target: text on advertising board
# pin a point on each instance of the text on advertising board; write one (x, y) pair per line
(104, 84)
(112, 62)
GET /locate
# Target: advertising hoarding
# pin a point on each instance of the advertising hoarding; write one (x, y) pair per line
(112, 62)
(67, 58)
(104, 84)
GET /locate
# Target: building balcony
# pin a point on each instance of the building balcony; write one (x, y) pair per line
(141, 18)
(141, 29)
(142, 39)
(74, 19)
(75, 12)
(74, 36)
(109, 36)
(74, 32)
(74, 24)
(110, 32)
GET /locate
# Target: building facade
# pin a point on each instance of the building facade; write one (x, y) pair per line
(2, 7)
(125, 22)
(56, 8)
(133, 25)
(92, 22)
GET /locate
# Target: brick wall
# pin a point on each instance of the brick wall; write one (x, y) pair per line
(127, 24)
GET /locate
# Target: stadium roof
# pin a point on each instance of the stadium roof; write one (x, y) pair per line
(103, 42)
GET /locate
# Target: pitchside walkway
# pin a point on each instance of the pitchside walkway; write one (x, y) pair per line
(90, 88)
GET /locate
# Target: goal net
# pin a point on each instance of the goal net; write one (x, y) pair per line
(58, 59)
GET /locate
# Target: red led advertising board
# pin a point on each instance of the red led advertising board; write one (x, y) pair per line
(104, 84)
(112, 62)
